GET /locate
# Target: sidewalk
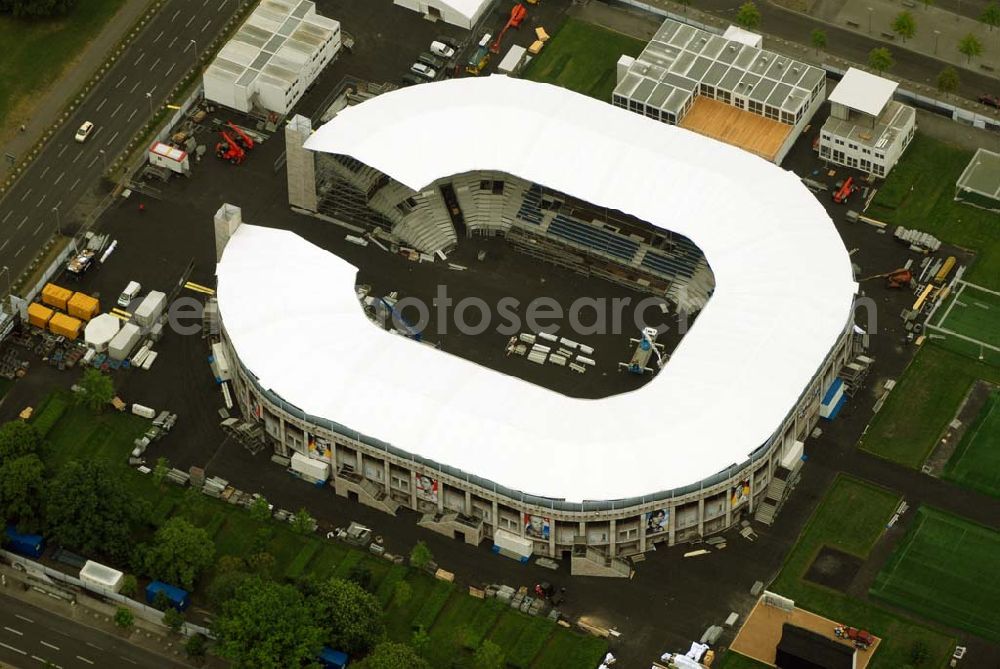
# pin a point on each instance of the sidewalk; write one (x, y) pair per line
(50, 104)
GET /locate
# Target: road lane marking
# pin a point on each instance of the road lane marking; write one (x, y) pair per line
(122, 81)
(208, 24)
(131, 115)
(101, 105)
(129, 660)
(23, 221)
(139, 59)
(16, 650)
(91, 164)
(44, 172)
(189, 21)
(78, 156)
(74, 184)
(94, 646)
(49, 645)
(175, 15)
(57, 204)
(83, 659)
(98, 131)
(16, 255)
(158, 37)
(135, 86)
(172, 42)
(47, 663)
(13, 631)
(117, 109)
(155, 64)
(41, 199)
(7, 216)
(65, 146)
(113, 138)
(58, 178)
(16, 615)
(171, 69)
(26, 194)
(4, 245)
(34, 233)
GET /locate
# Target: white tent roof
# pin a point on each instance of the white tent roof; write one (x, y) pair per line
(470, 9)
(101, 329)
(99, 573)
(783, 297)
(863, 91)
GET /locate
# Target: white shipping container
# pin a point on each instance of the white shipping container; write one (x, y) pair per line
(316, 470)
(150, 308)
(513, 543)
(122, 343)
(101, 577)
(144, 411)
(175, 160)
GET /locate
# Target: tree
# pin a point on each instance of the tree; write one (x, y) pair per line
(179, 552)
(947, 80)
(904, 25)
(421, 555)
(173, 619)
(18, 438)
(392, 655)
(302, 522)
(351, 616)
(196, 646)
(489, 656)
(124, 618)
(991, 16)
(88, 508)
(96, 390)
(970, 47)
(420, 640)
(260, 509)
(748, 16)
(919, 653)
(818, 39)
(267, 625)
(160, 470)
(880, 59)
(37, 9)
(224, 586)
(22, 482)
(129, 586)
(261, 563)
(362, 576)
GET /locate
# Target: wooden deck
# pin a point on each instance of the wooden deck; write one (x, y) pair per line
(728, 124)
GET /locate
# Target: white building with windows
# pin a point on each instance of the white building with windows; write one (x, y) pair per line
(867, 129)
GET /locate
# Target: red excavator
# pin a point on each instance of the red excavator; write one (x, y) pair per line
(841, 194)
(229, 150)
(243, 139)
(517, 15)
(897, 278)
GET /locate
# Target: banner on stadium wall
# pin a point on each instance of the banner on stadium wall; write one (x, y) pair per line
(657, 521)
(537, 526)
(427, 488)
(320, 449)
(741, 493)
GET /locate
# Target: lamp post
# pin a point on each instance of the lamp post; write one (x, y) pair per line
(6, 299)
(55, 210)
(104, 158)
(195, 45)
(149, 97)
(870, 10)
(9, 292)
(937, 34)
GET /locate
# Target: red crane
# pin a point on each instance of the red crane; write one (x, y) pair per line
(844, 192)
(229, 150)
(244, 140)
(517, 14)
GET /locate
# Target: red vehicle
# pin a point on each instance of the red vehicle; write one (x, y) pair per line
(841, 195)
(243, 139)
(990, 100)
(517, 15)
(861, 638)
(229, 150)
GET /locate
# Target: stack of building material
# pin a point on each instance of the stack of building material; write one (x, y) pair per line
(39, 315)
(214, 486)
(83, 306)
(917, 239)
(65, 326)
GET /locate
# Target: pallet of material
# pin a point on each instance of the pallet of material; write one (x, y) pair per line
(577, 368)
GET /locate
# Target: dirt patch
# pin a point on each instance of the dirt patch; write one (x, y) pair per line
(834, 569)
(952, 436)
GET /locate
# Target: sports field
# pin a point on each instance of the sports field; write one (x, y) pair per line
(973, 312)
(976, 462)
(945, 569)
(583, 58)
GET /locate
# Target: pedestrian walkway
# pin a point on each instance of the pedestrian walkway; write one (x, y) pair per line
(938, 31)
(50, 104)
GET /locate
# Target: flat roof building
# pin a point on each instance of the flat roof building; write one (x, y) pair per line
(273, 58)
(867, 130)
(682, 65)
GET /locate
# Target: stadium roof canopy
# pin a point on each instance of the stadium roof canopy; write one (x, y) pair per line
(783, 297)
(863, 91)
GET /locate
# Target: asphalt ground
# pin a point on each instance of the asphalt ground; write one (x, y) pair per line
(32, 637)
(672, 599)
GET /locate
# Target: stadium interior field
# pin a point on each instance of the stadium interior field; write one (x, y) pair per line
(976, 461)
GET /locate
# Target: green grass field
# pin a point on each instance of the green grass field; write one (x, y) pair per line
(974, 312)
(583, 57)
(976, 462)
(733, 660)
(945, 569)
(919, 193)
(851, 517)
(456, 622)
(922, 404)
(35, 53)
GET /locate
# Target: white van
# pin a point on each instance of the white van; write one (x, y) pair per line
(129, 294)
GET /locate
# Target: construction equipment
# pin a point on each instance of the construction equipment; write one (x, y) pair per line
(841, 195)
(517, 14)
(243, 139)
(229, 150)
(897, 278)
(945, 270)
(480, 58)
(862, 639)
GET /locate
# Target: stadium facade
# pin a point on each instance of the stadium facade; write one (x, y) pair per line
(709, 442)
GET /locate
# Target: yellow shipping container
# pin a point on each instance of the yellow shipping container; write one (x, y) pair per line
(56, 296)
(83, 306)
(39, 315)
(64, 325)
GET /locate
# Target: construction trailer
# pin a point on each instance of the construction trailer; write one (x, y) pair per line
(178, 598)
(83, 306)
(121, 344)
(101, 577)
(39, 315)
(56, 296)
(513, 546)
(170, 158)
(65, 326)
(150, 308)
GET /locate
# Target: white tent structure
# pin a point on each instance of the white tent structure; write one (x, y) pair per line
(730, 383)
(463, 13)
(101, 330)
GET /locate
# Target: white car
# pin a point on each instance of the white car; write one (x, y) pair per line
(425, 71)
(442, 49)
(84, 132)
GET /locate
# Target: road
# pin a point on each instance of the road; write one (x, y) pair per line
(44, 197)
(30, 637)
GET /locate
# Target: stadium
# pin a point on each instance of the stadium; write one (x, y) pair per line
(585, 187)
